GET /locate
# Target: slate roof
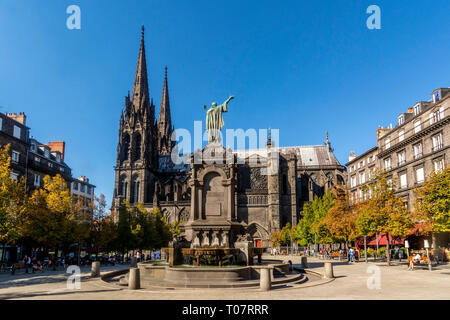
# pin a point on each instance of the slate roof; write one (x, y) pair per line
(318, 155)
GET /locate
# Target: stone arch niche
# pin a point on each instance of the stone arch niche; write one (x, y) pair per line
(212, 217)
(214, 202)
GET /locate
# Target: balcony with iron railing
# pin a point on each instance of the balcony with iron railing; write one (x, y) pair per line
(426, 126)
(417, 155)
(437, 147)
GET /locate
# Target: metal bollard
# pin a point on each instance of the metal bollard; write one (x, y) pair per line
(265, 282)
(304, 262)
(328, 267)
(134, 279)
(95, 269)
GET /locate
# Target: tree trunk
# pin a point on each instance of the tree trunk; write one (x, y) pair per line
(388, 253)
(3, 251)
(434, 248)
(55, 258)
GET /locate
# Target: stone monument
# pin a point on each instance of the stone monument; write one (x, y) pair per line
(213, 220)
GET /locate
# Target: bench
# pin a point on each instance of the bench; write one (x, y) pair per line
(422, 261)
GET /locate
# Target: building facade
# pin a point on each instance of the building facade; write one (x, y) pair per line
(409, 152)
(260, 203)
(84, 190)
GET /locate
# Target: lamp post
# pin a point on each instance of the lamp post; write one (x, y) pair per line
(365, 248)
(426, 244)
(407, 248)
(376, 236)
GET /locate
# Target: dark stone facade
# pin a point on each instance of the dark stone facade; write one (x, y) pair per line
(258, 200)
(30, 158)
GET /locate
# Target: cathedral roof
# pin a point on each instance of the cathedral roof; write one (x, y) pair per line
(318, 155)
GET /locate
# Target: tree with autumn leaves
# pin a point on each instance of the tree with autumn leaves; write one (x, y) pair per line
(12, 201)
(383, 211)
(341, 217)
(51, 219)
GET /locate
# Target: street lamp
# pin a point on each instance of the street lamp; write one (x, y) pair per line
(407, 247)
(426, 244)
(365, 248)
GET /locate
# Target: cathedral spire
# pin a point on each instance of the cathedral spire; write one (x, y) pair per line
(164, 120)
(140, 87)
(328, 144)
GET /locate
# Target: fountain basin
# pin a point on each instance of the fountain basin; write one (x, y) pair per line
(211, 276)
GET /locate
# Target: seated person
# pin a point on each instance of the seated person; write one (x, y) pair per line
(417, 258)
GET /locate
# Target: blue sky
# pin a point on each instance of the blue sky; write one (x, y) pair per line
(304, 67)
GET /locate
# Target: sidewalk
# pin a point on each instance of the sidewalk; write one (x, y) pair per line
(351, 282)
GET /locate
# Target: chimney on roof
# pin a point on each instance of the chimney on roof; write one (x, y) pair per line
(21, 117)
(410, 110)
(382, 132)
(57, 146)
(352, 156)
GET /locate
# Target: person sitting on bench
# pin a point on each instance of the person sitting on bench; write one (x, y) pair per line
(413, 260)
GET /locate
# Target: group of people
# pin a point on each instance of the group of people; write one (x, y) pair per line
(33, 264)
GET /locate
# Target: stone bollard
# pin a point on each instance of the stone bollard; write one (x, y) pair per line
(95, 269)
(304, 262)
(134, 279)
(328, 267)
(265, 281)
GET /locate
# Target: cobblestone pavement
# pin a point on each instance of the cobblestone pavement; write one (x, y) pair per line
(351, 282)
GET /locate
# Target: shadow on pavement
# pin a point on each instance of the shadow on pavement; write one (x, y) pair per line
(44, 293)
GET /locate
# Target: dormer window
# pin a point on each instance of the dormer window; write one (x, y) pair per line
(401, 135)
(47, 153)
(16, 132)
(387, 143)
(436, 96)
(417, 126)
(417, 109)
(58, 157)
(33, 147)
(401, 120)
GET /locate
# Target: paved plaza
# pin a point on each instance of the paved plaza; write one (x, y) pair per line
(351, 282)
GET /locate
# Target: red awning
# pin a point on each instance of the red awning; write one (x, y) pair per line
(372, 241)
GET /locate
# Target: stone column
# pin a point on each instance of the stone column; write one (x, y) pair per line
(134, 279)
(200, 201)
(292, 180)
(328, 267)
(265, 281)
(230, 204)
(95, 269)
(171, 257)
(194, 204)
(304, 262)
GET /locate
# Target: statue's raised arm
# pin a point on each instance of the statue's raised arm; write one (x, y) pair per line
(214, 119)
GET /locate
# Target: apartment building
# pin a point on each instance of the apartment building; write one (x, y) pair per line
(409, 152)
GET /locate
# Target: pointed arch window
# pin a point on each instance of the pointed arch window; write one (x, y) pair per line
(137, 147)
(285, 185)
(125, 146)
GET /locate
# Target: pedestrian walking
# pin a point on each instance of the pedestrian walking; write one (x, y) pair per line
(27, 261)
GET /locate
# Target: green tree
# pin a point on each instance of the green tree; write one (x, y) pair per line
(432, 206)
(312, 226)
